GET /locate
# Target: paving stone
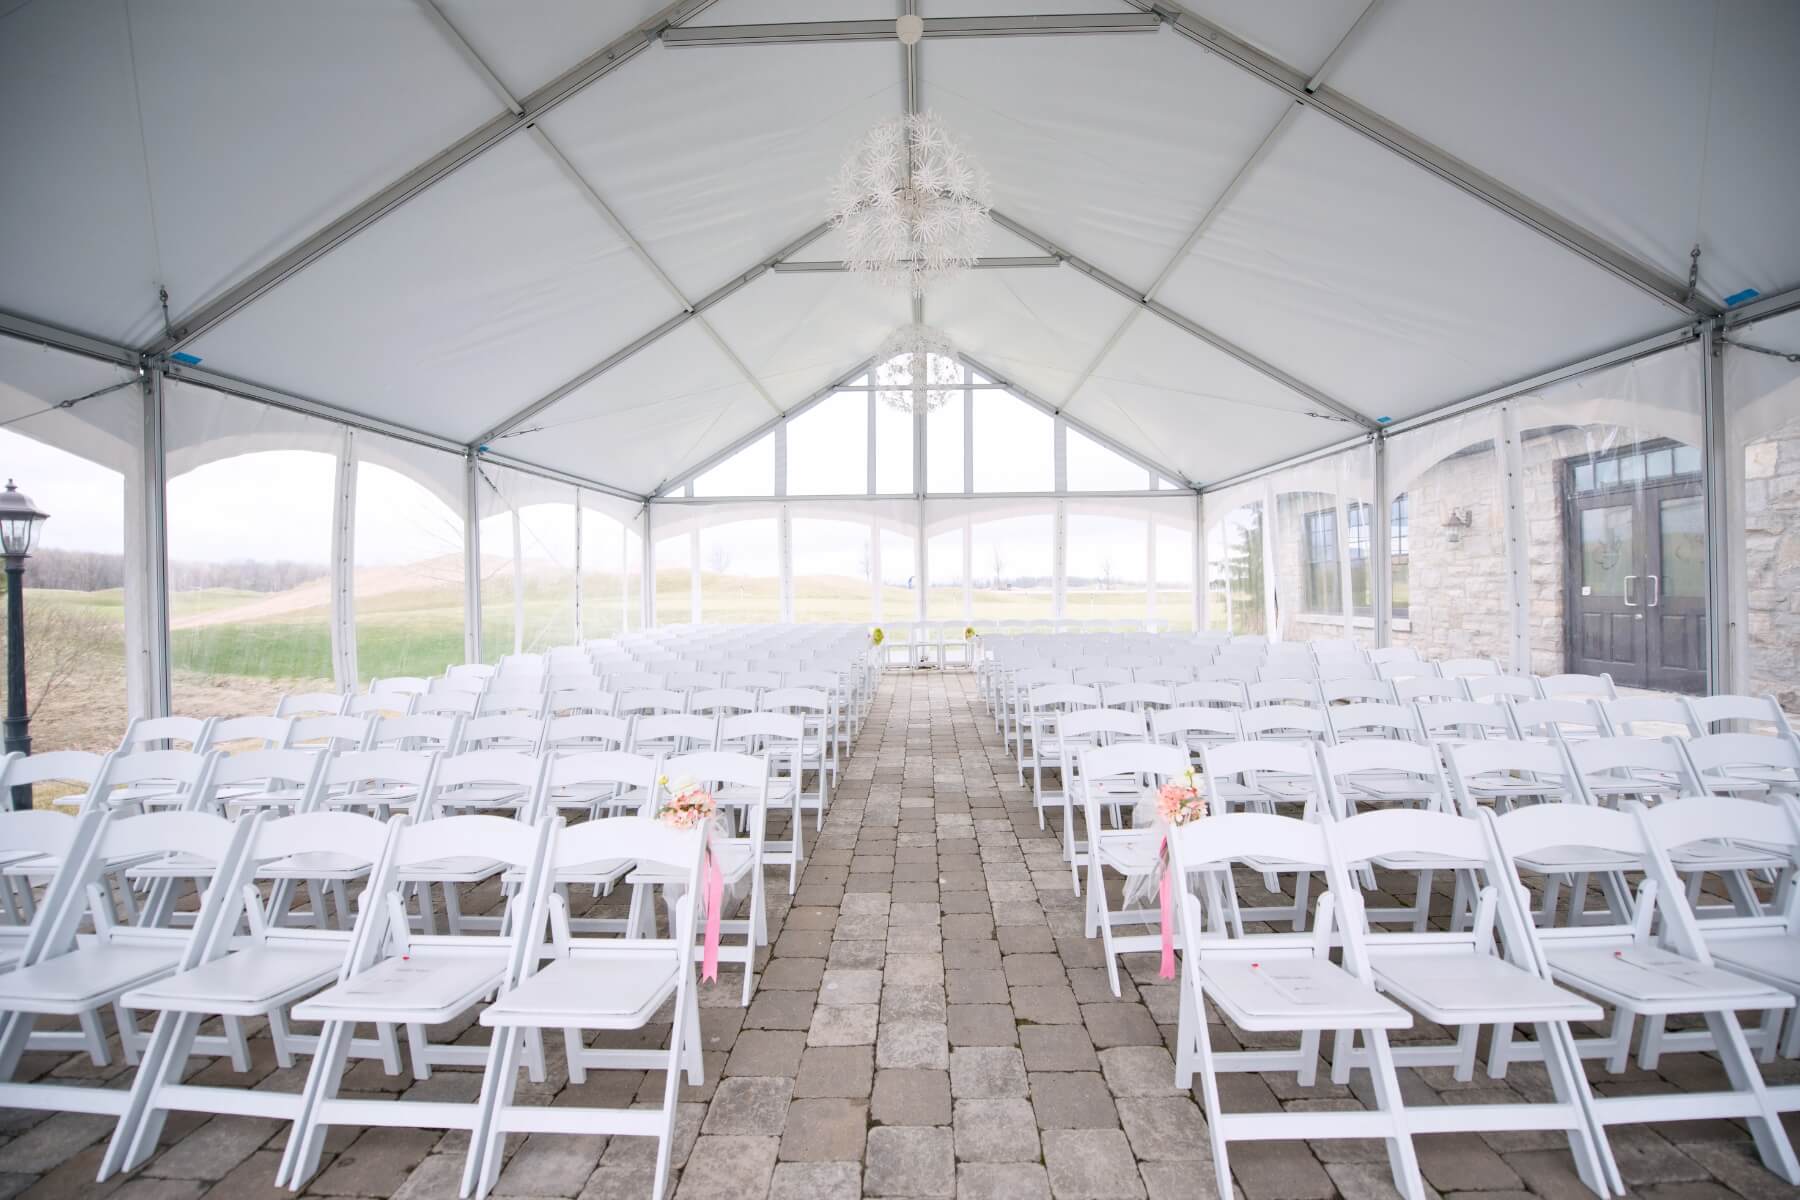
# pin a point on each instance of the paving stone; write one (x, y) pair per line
(839, 988)
(781, 1010)
(1001, 1181)
(910, 1161)
(816, 1181)
(1058, 1048)
(1120, 1025)
(1091, 1164)
(912, 1002)
(1024, 970)
(987, 1072)
(976, 986)
(214, 1149)
(1164, 1128)
(1462, 1162)
(546, 1165)
(852, 1025)
(797, 974)
(1072, 1100)
(921, 1044)
(1181, 1181)
(748, 1105)
(996, 1130)
(842, 1071)
(377, 1163)
(1046, 1004)
(907, 1097)
(728, 1168)
(983, 1025)
(1279, 1171)
(825, 1131)
(766, 1052)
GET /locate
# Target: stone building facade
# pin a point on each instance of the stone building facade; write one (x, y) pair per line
(1772, 559)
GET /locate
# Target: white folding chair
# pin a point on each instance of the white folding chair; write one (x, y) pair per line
(1577, 687)
(397, 977)
(441, 732)
(1108, 776)
(1374, 719)
(1460, 668)
(1211, 693)
(1267, 983)
(231, 734)
(1077, 731)
(1038, 730)
(674, 733)
(1391, 774)
(779, 738)
(1745, 764)
(311, 704)
(503, 701)
(1447, 722)
(605, 984)
(501, 731)
(378, 704)
(818, 749)
(330, 735)
(1462, 981)
(382, 781)
(1649, 716)
(567, 702)
(722, 701)
(1255, 777)
(1411, 689)
(1557, 719)
(448, 703)
(1342, 690)
(1500, 687)
(1647, 967)
(240, 976)
(744, 780)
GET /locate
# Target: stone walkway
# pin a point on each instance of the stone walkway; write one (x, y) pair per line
(931, 1023)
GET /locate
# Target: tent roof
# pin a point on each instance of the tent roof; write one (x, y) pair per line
(546, 228)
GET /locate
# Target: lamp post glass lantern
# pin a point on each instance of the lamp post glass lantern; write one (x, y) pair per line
(19, 522)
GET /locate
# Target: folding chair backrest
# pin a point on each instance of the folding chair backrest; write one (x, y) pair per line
(640, 840)
(1458, 668)
(1564, 718)
(357, 768)
(569, 701)
(165, 733)
(1063, 697)
(1463, 720)
(1365, 837)
(1225, 838)
(1586, 687)
(1102, 675)
(1379, 757)
(1500, 687)
(795, 699)
(651, 701)
(1027, 678)
(1426, 688)
(722, 700)
(471, 685)
(1679, 823)
(1283, 721)
(1648, 716)
(523, 770)
(399, 685)
(607, 767)
(1375, 720)
(1286, 670)
(361, 839)
(782, 735)
(1120, 695)
(1594, 758)
(1745, 714)
(77, 770)
(233, 734)
(585, 732)
(1089, 722)
(182, 773)
(1126, 759)
(1232, 759)
(1542, 765)
(1177, 724)
(1393, 654)
(501, 700)
(1774, 760)
(674, 732)
(434, 731)
(310, 704)
(300, 769)
(515, 843)
(1224, 693)
(753, 680)
(378, 704)
(332, 735)
(451, 703)
(1356, 691)
(505, 731)
(720, 766)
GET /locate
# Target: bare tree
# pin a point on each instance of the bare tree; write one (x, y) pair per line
(59, 640)
(999, 566)
(1106, 573)
(718, 558)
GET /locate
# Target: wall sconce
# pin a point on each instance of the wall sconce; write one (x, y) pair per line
(1457, 520)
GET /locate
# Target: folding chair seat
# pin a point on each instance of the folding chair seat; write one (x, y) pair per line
(58, 973)
(1108, 777)
(157, 735)
(239, 976)
(396, 977)
(1462, 981)
(1077, 732)
(1278, 983)
(1655, 965)
(604, 984)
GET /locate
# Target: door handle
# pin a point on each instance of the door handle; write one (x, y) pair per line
(1655, 590)
(1629, 602)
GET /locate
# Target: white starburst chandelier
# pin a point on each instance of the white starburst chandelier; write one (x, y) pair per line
(912, 204)
(916, 368)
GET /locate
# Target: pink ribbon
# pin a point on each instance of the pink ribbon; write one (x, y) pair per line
(1168, 922)
(715, 900)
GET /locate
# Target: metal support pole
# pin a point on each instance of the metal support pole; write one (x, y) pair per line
(471, 560)
(647, 574)
(1059, 566)
(1271, 523)
(784, 554)
(18, 719)
(343, 566)
(1518, 553)
(1202, 597)
(1724, 669)
(518, 557)
(147, 559)
(875, 575)
(1381, 560)
(578, 637)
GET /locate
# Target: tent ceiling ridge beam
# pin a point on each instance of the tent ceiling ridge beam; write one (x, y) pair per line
(593, 196)
(687, 474)
(1762, 308)
(1181, 495)
(211, 314)
(1298, 460)
(1082, 427)
(1642, 275)
(1190, 327)
(1013, 25)
(246, 389)
(1224, 197)
(990, 263)
(723, 291)
(44, 333)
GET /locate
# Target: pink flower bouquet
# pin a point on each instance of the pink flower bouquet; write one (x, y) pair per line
(689, 806)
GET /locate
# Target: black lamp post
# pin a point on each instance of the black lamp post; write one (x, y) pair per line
(19, 521)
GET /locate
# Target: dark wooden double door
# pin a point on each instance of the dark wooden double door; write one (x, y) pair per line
(1636, 571)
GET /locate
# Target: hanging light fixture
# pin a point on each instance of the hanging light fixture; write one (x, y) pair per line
(916, 368)
(912, 204)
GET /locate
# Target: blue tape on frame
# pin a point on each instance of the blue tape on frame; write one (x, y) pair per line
(185, 359)
(1737, 298)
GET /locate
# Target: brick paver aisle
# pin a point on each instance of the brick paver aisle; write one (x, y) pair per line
(931, 1022)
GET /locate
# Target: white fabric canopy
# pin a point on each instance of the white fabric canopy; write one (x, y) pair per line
(187, 145)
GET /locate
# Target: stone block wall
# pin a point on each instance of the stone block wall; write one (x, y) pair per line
(1772, 561)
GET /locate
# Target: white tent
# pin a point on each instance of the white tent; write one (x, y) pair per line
(584, 242)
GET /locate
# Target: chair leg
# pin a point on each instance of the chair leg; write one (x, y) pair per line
(140, 1126)
(487, 1148)
(306, 1140)
(1772, 1143)
(1403, 1161)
